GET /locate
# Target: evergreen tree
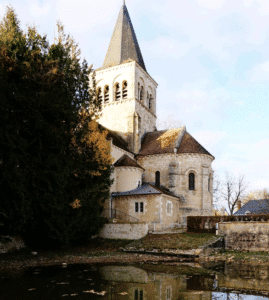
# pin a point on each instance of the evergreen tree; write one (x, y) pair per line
(55, 161)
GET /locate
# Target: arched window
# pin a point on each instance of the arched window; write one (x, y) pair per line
(117, 92)
(138, 91)
(157, 179)
(124, 90)
(191, 182)
(209, 182)
(141, 93)
(106, 94)
(99, 94)
(150, 101)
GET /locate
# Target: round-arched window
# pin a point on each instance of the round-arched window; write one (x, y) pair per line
(157, 179)
(191, 181)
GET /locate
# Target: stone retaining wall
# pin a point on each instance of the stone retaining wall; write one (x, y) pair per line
(128, 231)
(243, 236)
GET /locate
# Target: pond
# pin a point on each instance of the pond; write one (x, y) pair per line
(137, 282)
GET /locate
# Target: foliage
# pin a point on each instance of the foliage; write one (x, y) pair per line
(52, 153)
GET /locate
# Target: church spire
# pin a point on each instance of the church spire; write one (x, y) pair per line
(123, 44)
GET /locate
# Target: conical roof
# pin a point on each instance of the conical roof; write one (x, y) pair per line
(123, 45)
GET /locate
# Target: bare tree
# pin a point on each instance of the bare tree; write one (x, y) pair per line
(232, 190)
(171, 121)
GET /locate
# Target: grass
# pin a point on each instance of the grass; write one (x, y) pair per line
(183, 241)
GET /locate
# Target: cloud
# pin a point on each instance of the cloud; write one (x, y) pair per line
(211, 4)
(250, 159)
(82, 15)
(38, 9)
(259, 73)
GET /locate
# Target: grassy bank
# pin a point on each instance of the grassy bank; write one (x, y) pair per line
(182, 241)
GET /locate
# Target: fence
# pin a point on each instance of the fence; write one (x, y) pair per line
(207, 224)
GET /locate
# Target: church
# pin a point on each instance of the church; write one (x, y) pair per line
(160, 177)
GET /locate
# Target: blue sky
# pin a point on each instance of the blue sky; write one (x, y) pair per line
(209, 57)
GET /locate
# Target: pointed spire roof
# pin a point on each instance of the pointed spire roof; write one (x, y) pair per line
(123, 45)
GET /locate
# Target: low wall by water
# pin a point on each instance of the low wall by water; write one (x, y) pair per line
(128, 231)
(243, 236)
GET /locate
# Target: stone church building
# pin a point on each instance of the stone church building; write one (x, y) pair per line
(160, 177)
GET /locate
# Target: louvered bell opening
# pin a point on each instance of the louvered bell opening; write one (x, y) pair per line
(150, 101)
(106, 94)
(124, 90)
(99, 94)
(117, 92)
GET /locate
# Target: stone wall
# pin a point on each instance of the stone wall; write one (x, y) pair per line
(128, 178)
(118, 115)
(243, 236)
(155, 210)
(128, 231)
(199, 200)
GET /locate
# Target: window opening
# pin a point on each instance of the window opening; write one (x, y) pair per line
(169, 208)
(117, 92)
(209, 183)
(150, 101)
(106, 94)
(136, 206)
(124, 90)
(138, 295)
(141, 93)
(139, 207)
(157, 179)
(191, 182)
(138, 91)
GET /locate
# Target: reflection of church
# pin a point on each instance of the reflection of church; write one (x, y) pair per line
(160, 177)
(139, 284)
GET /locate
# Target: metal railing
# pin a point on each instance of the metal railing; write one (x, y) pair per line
(118, 215)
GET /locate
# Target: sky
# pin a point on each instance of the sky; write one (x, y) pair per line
(210, 59)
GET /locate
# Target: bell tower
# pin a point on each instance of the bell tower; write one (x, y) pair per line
(127, 91)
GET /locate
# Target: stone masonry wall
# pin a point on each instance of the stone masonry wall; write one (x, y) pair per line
(199, 200)
(128, 231)
(118, 115)
(242, 236)
(128, 178)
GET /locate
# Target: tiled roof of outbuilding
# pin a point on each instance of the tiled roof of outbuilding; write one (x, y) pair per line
(160, 142)
(117, 140)
(144, 189)
(126, 161)
(255, 207)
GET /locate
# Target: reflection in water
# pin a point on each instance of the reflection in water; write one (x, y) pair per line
(160, 282)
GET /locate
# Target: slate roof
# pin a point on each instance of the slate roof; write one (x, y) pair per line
(117, 140)
(160, 142)
(126, 161)
(123, 45)
(144, 189)
(255, 207)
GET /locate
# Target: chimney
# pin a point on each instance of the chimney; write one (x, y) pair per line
(239, 204)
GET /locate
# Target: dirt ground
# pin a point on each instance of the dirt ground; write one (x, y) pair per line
(97, 251)
(100, 251)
